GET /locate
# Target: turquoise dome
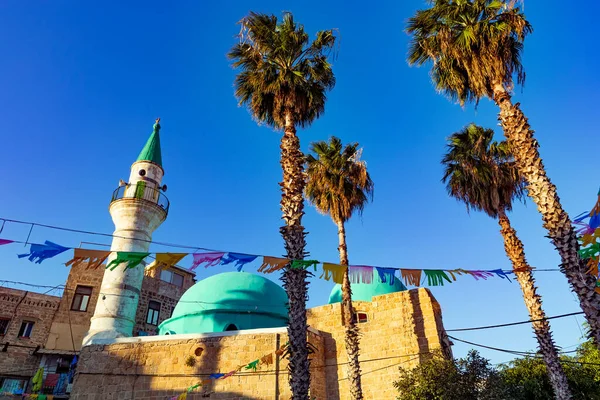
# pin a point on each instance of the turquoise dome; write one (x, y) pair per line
(365, 291)
(226, 302)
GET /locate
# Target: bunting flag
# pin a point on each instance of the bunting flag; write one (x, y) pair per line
(386, 275)
(231, 373)
(590, 251)
(40, 252)
(304, 264)
(272, 264)
(216, 376)
(479, 274)
(454, 272)
(5, 241)
(592, 264)
(210, 259)
(360, 274)
(436, 277)
(239, 259)
(94, 258)
(501, 274)
(334, 272)
(253, 365)
(166, 260)
(267, 360)
(131, 258)
(411, 276)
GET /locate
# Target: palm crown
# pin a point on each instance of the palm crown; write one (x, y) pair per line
(338, 181)
(282, 73)
(481, 172)
(473, 44)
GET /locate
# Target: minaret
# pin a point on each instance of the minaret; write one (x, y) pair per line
(137, 208)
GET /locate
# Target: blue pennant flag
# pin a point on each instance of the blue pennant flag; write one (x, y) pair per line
(386, 275)
(239, 259)
(40, 252)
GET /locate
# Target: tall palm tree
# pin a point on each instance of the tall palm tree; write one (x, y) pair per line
(339, 185)
(482, 174)
(475, 48)
(283, 80)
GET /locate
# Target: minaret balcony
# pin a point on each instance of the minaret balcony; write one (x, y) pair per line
(141, 192)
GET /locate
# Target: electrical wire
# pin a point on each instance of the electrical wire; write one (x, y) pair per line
(513, 323)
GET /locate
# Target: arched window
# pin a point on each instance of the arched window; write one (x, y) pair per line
(231, 327)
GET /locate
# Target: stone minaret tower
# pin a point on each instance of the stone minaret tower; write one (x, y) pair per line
(137, 209)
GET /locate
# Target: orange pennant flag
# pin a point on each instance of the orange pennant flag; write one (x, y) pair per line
(272, 264)
(95, 258)
(333, 272)
(411, 276)
(267, 360)
(166, 260)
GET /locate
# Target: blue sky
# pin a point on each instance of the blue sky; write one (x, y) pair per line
(83, 82)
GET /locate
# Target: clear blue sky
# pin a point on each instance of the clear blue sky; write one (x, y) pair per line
(82, 84)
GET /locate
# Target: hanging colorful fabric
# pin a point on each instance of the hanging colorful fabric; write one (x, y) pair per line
(589, 251)
(436, 277)
(239, 259)
(454, 272)
(479, 274)
(304, 264)
(182, 396)
(191, 388)
(272, 264)
(386, 275)
(360, 274)
(131, 258)
(500, 273)
(267, 360)
(217, 376)
(40, 252)
(231, 373)
(94, 258)
(334, 272)
(210, 259)
(411, 276)
(5, 241)
(166, 260)
(253, 365)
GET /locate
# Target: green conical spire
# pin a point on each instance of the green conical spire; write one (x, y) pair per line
(151, 151)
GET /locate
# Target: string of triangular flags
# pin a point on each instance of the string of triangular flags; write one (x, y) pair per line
(588, 234)
(332, 272)
(252, 366)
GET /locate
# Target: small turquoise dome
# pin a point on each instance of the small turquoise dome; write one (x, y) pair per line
(365, 291)
(226, 302)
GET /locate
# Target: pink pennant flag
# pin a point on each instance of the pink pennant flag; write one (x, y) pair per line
(479, 274)
(5, 241)
(360, 274)
(211, 259)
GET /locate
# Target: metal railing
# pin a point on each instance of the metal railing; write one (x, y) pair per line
(140, 191)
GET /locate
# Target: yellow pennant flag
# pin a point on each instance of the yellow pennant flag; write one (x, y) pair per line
(166, 260)
(95, 258)
(333, 271)
(272, 264)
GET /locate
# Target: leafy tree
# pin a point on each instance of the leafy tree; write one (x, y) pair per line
(339, 185)
(283, 79)
(482, 174)
(475, 48)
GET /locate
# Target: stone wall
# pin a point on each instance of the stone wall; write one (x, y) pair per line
(19, 306)
(155, 367)
(402, 330)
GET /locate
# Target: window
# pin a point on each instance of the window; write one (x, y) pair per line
(3, 325)
(361, 317)
(81, 298)
(153, 312)
(26, 327)
(231, 327)
(171, 277)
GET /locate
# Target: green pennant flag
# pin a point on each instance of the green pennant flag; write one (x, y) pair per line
(436, 277)
(253, 365)
(590, 251)
(133, 259)
(304, 264)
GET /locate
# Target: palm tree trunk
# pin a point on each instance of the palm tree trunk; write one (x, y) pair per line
(294, 280)
(352, 335)
(515, 252)
(556, 221)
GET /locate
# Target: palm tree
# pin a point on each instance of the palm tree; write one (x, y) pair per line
(283, 79)
(339, 185)
(475, 48)
(482, 174)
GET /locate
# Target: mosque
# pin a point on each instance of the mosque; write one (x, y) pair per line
(231, 319)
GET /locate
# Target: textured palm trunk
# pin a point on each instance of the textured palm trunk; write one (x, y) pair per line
(294, 280)
(556, 221)
(352, 339)
(541, 327)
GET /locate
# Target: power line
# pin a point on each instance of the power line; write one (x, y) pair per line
(513, 323)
